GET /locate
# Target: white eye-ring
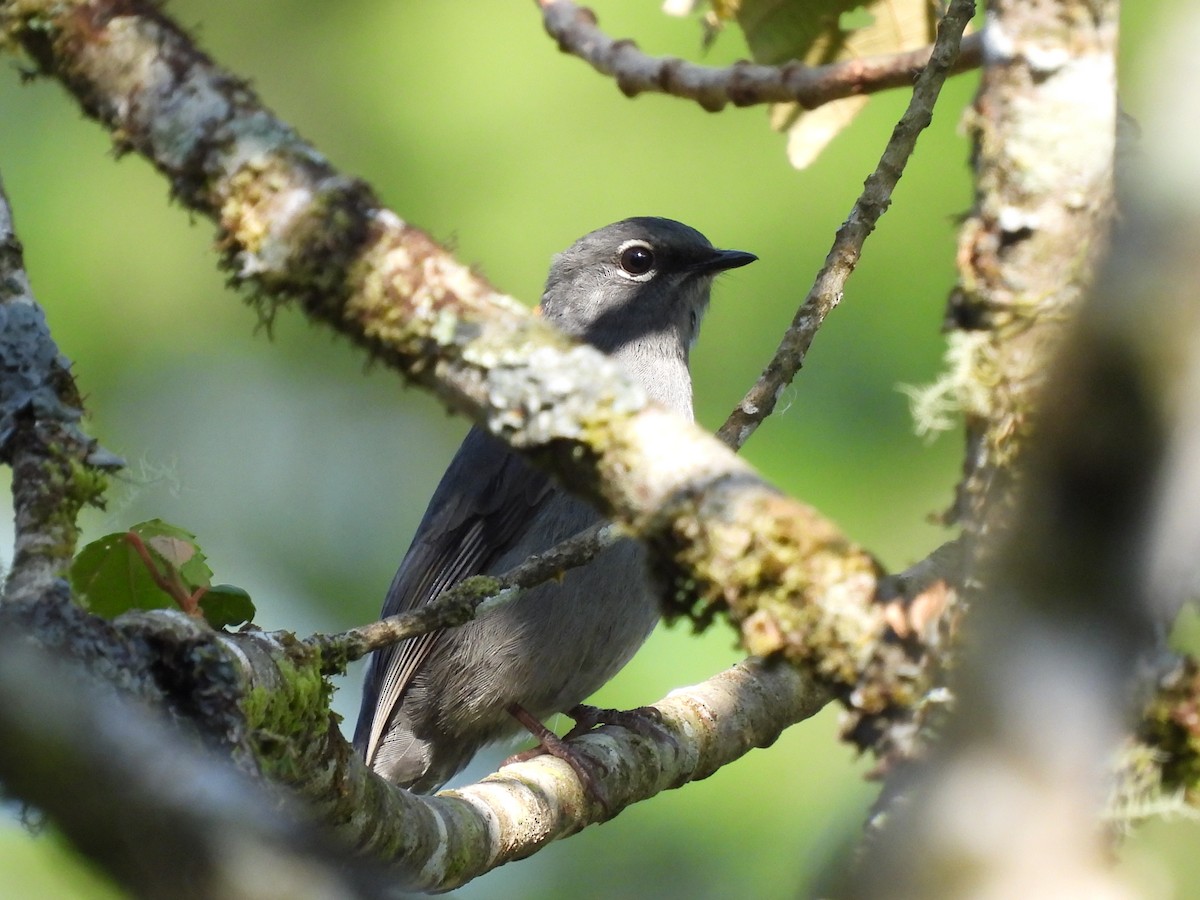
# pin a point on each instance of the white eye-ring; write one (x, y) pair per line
(637, 260)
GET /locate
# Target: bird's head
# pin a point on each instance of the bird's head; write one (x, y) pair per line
(639, 281)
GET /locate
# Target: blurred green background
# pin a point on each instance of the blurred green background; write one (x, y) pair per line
(304, 475)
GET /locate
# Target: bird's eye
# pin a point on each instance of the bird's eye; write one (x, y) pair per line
(637, 259)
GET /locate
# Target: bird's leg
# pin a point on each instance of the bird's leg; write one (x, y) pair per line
(551, 743)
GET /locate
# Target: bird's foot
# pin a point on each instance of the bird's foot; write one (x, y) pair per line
(645, 720)
(552, 744)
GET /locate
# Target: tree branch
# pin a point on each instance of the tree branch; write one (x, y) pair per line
(1067, 593)
(260, 700)
(469, 599)
(1044, 131)
(163, 817)
(826, 292)
(742, 84)
(57, 469)
(523, 807)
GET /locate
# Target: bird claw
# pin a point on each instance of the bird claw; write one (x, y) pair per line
(646, 721)
(551, 744)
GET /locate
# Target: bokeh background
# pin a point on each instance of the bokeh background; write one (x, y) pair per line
(304, 473)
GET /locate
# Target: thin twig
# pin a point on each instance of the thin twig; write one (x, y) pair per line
(826, 291)
(470, 598)
(742, 84)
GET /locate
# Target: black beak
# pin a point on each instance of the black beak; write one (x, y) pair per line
(720, 260)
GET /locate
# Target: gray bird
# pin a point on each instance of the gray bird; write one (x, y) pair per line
(636, 290)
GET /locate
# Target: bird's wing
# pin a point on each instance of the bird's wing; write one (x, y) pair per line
(482, 508)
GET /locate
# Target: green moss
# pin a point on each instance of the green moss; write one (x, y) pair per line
(88, 483)
(788, 579)
(284, 719)
(51, 497)
(478, 587)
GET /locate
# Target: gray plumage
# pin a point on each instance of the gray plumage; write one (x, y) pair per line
(636, 290)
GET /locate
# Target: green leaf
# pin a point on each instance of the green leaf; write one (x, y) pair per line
(226, 606)
(110, 577)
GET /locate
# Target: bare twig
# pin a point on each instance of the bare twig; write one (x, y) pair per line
(826, 291)
(743, 83)
(470, 598)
